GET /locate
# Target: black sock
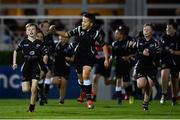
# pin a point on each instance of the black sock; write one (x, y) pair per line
(31, 108)
(164, 94)
(174, 99)
(41, 90)
(119, 95)
(46, 89)
(87, 89)
(129, 90)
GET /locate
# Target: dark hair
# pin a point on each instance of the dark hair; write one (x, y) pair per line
(124, 29)
(149, 24)
(45, 21)
(90, 16)
(173, 24)
(40, 31)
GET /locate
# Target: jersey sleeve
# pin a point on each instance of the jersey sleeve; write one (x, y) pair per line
(74, 31)
(44, 49)
(70, 51)
(113, 50)
(99, 38)
(19, 46)
(153, 49)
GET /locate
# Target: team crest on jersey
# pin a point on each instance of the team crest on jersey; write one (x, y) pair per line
(151, 45)
(82, 32)
(140, 43)
(26, 44)
(31, 52)
(37, 45)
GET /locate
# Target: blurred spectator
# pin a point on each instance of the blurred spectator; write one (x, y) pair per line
(59, 25)
(12, 24)
(7, 37)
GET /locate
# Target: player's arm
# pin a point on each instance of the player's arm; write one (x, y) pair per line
(106, 55)
(174, 52)
(14, 66)
(62, 34)
(45, 59)
(52, 29)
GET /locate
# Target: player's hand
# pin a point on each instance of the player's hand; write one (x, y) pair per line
(106, 63)
(146, 52)
(171, 51)
(14, 66)
(52, 29)
(125, 58)
(131, 44)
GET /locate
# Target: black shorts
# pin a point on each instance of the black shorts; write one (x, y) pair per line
(86, 60)
(30, 71)
(43, 67)
(143, 70)
(50, 64)
(166, 63)
(61, 70)
(122, 69)
(175, 70)
(100, 68)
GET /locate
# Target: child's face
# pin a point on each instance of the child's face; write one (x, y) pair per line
(31, 31)
(118, 35)
(86, 23)
(39, 36)
(147, 31)
(27, 31)
(45, 28)
(170, 30)
(63, 39)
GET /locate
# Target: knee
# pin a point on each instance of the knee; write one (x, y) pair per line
(33, 89)
(141, 84)
(25, 89)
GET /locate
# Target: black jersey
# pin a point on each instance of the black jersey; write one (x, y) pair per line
(152, 47)
(120, 49)
(86, 40)
(32, 51)
(166, 43)
(48, 41)
(62, 67)
(146, 65)
(62, 51)
(177, 48)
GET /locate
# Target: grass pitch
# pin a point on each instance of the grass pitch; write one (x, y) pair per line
(17, 109)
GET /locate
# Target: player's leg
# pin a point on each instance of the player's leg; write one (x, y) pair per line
(118, 89)
(165, 76)
(87, 85)
(174, 88)
(41, 92)
(62, 89)
(34, 88)
(95, 86)
(128, 91)
(82, 90)
(128, 83)
(142, 84)
(26, 86)
(41, 95)
(47, 84)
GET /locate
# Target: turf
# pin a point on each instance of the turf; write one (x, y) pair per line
(17, 109)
